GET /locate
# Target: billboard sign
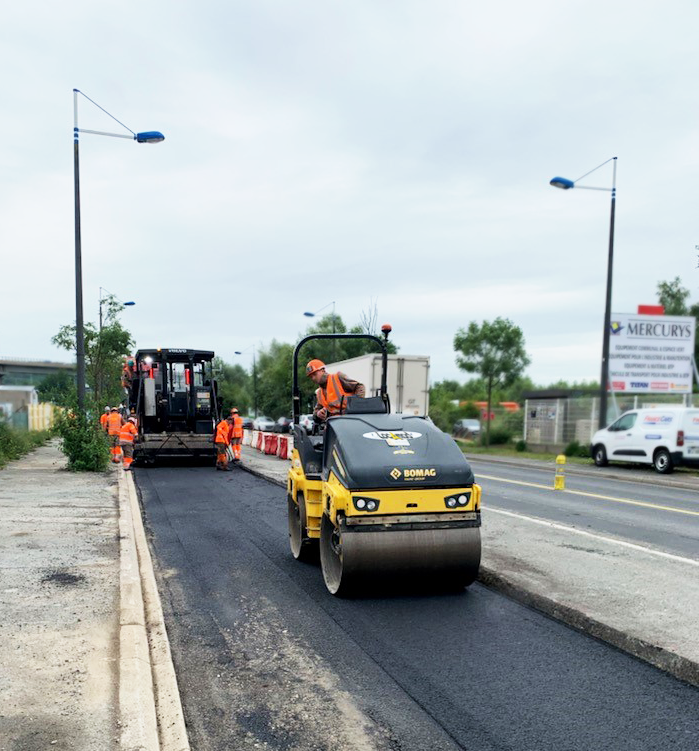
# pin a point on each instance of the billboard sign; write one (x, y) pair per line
(651, 354)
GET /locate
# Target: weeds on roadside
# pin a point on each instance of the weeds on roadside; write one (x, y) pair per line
(15, 443)
(82, 440)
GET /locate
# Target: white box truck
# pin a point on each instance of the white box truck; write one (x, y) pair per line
(408, 379)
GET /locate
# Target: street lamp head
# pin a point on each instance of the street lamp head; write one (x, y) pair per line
(237, 353)
(562, 182)
(149, 136)
(310, 315)
(131, 302)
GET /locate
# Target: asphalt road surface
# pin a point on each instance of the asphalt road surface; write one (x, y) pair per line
(642, 510)
(267, 659)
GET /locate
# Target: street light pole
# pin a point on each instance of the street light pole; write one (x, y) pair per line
(143, 137)
(604, 377)
(79, 327)
(565, 184)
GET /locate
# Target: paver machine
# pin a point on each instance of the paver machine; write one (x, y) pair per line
(174, 395)
(381, 496)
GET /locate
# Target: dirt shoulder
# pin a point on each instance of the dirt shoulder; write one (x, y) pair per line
(59, 599)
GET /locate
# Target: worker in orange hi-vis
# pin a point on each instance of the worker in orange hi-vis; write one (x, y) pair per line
(114, 424)
(333, 390)
(222, 439)
(127, 435)
(104, 419)
(236, 434)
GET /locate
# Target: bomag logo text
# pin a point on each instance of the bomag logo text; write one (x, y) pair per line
(416, 473)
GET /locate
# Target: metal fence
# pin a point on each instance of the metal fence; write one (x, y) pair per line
(558, 422)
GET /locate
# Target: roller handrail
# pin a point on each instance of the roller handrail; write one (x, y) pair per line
(296, 392)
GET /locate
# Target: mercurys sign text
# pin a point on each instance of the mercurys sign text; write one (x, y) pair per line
(651, 354)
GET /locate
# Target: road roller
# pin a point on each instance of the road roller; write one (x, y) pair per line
(381, 498)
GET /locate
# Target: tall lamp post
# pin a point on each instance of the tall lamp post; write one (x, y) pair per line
(565, 184)
(152, 136)
(111, 294)
(254, 376)
(308, 314)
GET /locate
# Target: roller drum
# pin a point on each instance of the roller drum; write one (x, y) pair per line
(446, 556)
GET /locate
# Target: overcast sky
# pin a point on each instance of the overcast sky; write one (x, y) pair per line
(387, 152)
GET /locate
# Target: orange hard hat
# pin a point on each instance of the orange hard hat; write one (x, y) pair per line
(314, 366)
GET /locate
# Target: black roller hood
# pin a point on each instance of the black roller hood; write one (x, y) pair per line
(393, 451)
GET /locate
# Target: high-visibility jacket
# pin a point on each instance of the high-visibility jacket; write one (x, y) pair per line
(223, 432)
(237, 429)
(104, 419)
(114, 423)
(128, 432)
(333, 396)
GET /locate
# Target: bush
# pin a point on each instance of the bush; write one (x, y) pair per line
(15, 443)
(498, 436)
(521, 445)
(83, 441)
(575, 449)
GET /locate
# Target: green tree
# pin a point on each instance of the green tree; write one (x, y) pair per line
(274, 379)
(58, 388)
(105, 349)
(496, 351)
(673, 297)
(234, 386)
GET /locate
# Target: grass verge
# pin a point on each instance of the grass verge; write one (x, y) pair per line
(15, 443)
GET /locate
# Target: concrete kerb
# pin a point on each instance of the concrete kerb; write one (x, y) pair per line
(677, 665)
(149, 702)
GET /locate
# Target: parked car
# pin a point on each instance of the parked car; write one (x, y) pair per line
(283, 425)
(467, 428)
(665, 437)
(306, 421)
(247, 423)
(263, 423)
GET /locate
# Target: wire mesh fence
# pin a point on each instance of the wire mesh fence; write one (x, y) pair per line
(559, 421)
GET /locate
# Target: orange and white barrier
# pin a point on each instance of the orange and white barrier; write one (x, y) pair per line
(272, 444)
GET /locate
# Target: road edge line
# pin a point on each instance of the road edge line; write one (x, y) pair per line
(172, 729)
(678, 666)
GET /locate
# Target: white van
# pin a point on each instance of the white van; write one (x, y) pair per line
(665, 437)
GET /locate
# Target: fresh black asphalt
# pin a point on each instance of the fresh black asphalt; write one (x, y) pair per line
(431, 671)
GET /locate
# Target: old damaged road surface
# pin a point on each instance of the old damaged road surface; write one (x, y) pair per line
(267, 659)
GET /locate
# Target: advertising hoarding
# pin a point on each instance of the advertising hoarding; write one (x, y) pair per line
(651, 354)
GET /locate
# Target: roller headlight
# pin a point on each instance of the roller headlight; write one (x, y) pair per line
(454, 501)
(366, 504)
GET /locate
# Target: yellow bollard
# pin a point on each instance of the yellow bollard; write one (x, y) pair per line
(559, 481)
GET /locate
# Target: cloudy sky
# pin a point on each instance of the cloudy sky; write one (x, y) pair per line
(394, 153)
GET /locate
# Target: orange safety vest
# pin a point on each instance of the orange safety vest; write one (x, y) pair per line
(128, 432)
(223, 432)
(114, 423)
(104, 419)
(333, 397)
(237, 429)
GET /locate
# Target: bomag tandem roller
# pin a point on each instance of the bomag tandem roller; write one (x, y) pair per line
(384, 496)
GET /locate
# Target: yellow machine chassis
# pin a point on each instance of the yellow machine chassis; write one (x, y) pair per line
(400, 504)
